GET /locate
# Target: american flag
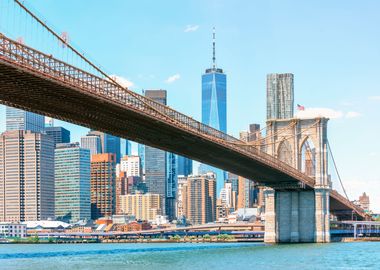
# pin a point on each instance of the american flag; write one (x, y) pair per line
(300, 107)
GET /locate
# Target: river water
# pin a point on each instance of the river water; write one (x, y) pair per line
(234, 256)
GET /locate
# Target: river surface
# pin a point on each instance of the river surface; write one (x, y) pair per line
(234, 256)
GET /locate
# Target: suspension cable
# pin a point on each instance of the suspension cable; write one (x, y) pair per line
(336, 169)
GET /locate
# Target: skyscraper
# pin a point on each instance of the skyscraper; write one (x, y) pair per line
(17, 119)
(26, 176)
(103, 185)
(161, 167)
(185, 166)
(200, 203)
(72, 182)
(59, 134)
(214, 104)
(92, 143)
(108, 143)
(280, 96)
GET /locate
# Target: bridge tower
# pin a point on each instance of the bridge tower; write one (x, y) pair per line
(293, 213)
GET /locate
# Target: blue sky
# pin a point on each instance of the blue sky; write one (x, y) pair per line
(332, 47)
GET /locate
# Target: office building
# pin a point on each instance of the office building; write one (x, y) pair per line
(214, 106)
(131, 165)
(59, 134)
(108, 143)
(121, 189)
(185, 166)
(181, 196)
(280, 96)
(72, 183)
(160, 167)
(201, 198)
(103, 185)
(142, 206)
(27, 176)
(92, 143)
(246, 194)
(17, 119)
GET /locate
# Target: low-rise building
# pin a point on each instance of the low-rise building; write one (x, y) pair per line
(10, 229)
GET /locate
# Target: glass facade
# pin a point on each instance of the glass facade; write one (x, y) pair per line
(17, 119)
(185, 166)
(214, 110)
(160, 167)
(59, 134)
(280, 96)
(72, 183)
(214, 100)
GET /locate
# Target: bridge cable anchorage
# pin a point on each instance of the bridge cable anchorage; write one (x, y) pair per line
(336, 169)
(81, 55)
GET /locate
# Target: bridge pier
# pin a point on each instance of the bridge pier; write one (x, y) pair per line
(297, 216)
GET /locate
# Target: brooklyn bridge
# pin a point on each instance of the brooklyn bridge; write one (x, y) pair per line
(299, 204)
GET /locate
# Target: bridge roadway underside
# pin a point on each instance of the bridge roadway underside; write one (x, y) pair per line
(29, 90)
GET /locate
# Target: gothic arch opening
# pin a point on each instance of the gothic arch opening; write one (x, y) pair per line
(308, 158)
(285, 153)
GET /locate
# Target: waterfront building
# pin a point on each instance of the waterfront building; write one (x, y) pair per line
(280, 96)
(59, 134)
(185, 166)
(91, 142)
(12, 229)
(142, 206)
(201, 198)
(17, 119)
(27, 176)
(214, 105)
(103, 186)
(72, 183)
(131, 165)
(161, 167)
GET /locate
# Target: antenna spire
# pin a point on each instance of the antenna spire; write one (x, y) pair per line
(213, 48)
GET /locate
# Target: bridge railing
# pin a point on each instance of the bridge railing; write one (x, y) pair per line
(16, 53)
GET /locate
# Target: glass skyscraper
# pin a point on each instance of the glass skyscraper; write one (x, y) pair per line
(280, 96)
(214, 106)
(17, 119)
(160, 167)
(72, 182)
(59, 134)
(185, 166)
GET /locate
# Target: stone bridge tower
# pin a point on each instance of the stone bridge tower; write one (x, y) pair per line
(294, 214)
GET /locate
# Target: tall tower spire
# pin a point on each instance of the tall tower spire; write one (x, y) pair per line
(213, 48)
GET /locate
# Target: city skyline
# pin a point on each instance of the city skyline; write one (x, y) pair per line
(353, 114)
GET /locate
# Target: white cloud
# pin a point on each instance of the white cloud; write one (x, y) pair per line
(319, 112)
(375, 98)
(173, 78)
(353, 115)
(191, 28)
(122, 81)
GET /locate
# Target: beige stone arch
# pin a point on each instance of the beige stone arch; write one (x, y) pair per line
(307, 156)
(285, 152)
